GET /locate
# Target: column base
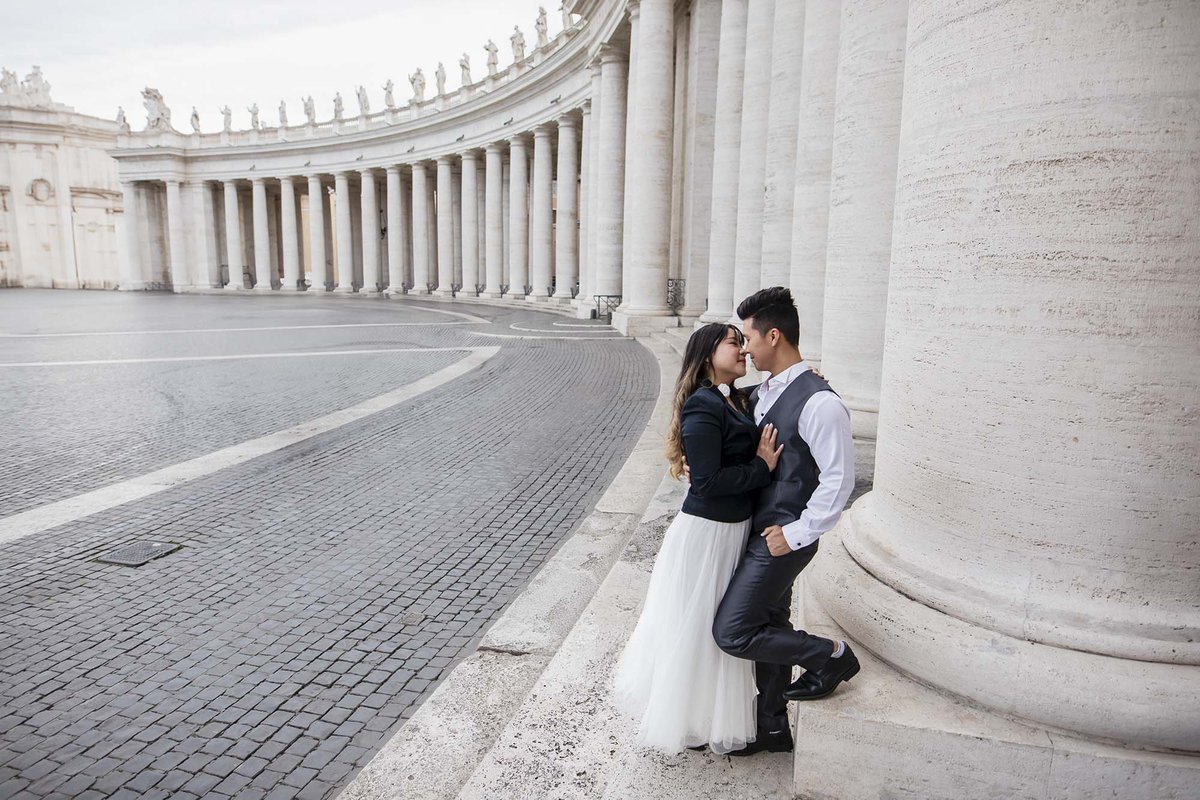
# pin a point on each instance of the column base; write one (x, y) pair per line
(393, 291)
(709, 317)
(233, 287)
(132, 286)
(262, 289)
(370, 292)
(512, 296)
(490, 295)
(864, 418)
(344, 290)
(537, 298)
(292, 288)
(635, 323)
(885, 735)
(584, 310)
(440, 292)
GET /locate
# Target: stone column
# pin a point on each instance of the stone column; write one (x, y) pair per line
(727, 138)
(431, 224)
(747, 259)
(420, 229)
(345, 234)
(814, 156)
(288, 231)
(233, 237)
(176, 245)
(698, 129)
(316, 235)
(494, 240)
(470, 223)
(518, 218)
(644, 302)
(262, 236)
(506, 217)
(543, 214)
(585, 303)
(1036, 494)
(566, 242)
(861, 198)
(456, 219)
(632, 152)
(610, 166)
(586, 189)
(370, 232)
(206, 268)
(783, 125)
(397, 230)
(445, 225)
(131, 262)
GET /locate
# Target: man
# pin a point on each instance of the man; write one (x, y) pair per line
(809, 489)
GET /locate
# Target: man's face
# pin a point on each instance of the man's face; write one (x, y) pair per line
(758, 346)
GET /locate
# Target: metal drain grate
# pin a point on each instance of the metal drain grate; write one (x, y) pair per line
(138, 553)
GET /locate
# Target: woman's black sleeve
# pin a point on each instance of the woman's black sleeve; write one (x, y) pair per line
(700, 424)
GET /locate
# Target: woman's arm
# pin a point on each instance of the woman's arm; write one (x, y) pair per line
(703, 440)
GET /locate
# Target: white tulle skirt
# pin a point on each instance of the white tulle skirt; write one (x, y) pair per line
(672, 676)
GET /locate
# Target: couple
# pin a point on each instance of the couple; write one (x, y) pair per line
(770, 472)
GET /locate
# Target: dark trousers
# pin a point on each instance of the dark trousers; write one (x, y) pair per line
(754, 621)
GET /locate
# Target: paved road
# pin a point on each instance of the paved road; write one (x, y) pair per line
(323, 588)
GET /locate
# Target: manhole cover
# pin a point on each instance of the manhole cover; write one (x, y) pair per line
(138, 553)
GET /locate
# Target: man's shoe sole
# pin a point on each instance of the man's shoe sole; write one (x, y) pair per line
(850, 673)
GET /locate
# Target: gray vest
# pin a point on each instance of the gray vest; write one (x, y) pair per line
(796, 476)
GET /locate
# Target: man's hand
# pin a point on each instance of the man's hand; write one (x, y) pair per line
(687, 471)
(776, 543)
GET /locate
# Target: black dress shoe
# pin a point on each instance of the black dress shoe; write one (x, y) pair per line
(817, 683)
(777, 742)
(699, 748)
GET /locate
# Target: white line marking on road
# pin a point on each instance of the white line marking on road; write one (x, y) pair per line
(593, 326)
(51, 515)
(236, 330)
(514, 326)
(161, 359)
(560, 338)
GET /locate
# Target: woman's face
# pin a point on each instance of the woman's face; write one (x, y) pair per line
(728, 361)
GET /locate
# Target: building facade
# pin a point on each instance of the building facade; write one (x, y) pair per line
(59, 195)
(990, 216)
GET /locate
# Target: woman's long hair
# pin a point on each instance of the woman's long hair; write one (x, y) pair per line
(693, 374)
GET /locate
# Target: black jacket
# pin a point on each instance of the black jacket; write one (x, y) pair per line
(720, 445)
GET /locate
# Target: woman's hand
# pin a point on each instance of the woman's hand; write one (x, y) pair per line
(767, 450)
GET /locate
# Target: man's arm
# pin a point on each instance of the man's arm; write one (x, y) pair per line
(825, 427)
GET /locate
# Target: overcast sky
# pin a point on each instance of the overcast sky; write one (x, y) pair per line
(98, 55)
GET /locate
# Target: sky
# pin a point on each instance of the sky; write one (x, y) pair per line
(207, 54)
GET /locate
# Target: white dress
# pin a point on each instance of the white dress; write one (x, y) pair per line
(672, 676)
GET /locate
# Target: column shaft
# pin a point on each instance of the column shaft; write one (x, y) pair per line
(586, 190)
(783, 124)
(345, 234)
(420, 229)
(316, 235)
(206, 268)
(542, 219)
(470, 223)
(131, 262)
(518, 219)
(176, 239)
(262, 236)
(566, 242)
(445, 225)
(494, 239)
(727, 138)
(370, 232)
(699, 128)
(289, 232)
(397, 231)
(610, 167)
(233, 237)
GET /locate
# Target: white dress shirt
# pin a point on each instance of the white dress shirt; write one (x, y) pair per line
(825, 428)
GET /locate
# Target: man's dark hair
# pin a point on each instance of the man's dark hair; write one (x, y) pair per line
(773, 308)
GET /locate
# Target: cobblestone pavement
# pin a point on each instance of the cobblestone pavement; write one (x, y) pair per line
(323, 589)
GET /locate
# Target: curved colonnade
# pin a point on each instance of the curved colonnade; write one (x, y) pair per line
(994, 251)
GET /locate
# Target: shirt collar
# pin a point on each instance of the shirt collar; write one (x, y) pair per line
(784, 378)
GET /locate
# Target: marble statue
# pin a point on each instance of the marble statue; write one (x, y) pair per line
(566, 16)
(493, 59)
(253, 109)
(389, 96)
(310, 110)
(158, 116)
(518, 44)
(122, 123)
(283, 114)
(417, 79)
(364, 104)
(9, 85)
(37, 89)
(228, 117)
(464, 64)
(195, 120)
(439, 77)
(338, 107)
(543, 35)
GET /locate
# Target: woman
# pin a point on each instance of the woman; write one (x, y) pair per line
(672, 676)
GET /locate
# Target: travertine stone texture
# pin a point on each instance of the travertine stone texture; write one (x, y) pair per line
(233, 235)
(1038, 478)
(316, 234)
(542, 218)
(289, 234)
(345, 233)
(518, 217)
(814, 155)
(756, 90)
(493, 174)
(870, 82)
(176, 238)
(470, 223)
(398, 243)
(420, 225)
(566, 227)
(369, 203)
(727, 138)
(610, 182)
(783, 124)
(445, 225)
